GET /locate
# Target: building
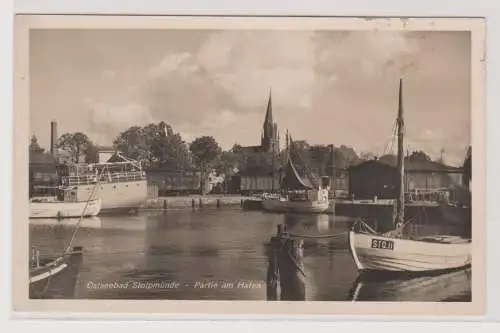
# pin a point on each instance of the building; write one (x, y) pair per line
(170, 182)
(42, 173)
(379, 177)
(255, 173)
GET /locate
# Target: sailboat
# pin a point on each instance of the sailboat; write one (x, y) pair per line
(398, 253)
(298, 195)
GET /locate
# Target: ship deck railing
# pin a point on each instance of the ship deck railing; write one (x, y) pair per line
(116, 177)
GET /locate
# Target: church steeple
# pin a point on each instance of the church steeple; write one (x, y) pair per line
(268, 122)
(269, 141)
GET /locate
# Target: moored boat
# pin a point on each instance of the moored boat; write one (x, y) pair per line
(64, 209)
(122, 183)
(298, 195)
(45, 273)
(398, 253)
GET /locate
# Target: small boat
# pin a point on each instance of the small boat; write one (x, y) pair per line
(298, 195)
(45, 272)
(63, 209)
(398, 253)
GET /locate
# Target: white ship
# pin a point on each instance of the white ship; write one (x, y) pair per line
(122, 184)
(62, 209)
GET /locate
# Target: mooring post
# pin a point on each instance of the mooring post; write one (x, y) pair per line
(165, 205)
(193, 204)
(200, 203)
(285, 275)
(291, 270)
(218, 203)
(273, 280)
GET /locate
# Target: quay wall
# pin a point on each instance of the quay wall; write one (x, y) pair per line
(193, 201)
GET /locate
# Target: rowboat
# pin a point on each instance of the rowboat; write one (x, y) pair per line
(396, 252)
(45, 273)
(63, 209)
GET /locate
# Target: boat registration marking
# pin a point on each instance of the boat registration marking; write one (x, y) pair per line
(382, 244)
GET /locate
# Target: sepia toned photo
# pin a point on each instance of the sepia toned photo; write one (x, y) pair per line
(258, 165)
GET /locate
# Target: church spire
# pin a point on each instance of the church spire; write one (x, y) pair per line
(268, 122)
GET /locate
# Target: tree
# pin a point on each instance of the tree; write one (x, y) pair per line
(76, 145)
(132, 143)
(226, 165)
(154, 145)
(91, 154)
(205, 150)
(419, 156)
(34, 146)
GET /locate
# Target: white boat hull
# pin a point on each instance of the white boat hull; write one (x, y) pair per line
(116, 196)
(64, 209)
(373, 252)
(286, 206)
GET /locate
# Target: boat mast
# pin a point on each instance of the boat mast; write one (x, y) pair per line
(401, 188)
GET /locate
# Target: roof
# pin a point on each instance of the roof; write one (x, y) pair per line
(251, 149)
(410, 165)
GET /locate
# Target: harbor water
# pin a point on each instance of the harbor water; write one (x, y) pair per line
(220, 254)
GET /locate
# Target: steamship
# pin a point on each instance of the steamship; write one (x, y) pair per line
(122, 184)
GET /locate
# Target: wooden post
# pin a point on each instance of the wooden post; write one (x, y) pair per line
(193, 204)
(200, 203)
(164, 205)
(285, 278)
(218, 203)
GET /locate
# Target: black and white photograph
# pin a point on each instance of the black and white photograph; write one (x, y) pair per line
(253, 162)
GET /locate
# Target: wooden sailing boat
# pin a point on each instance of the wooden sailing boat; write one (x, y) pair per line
(298, 195)
(395, 252)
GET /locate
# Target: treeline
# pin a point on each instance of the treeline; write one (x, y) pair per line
(158, 146)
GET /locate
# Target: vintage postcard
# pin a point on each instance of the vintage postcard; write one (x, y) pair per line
(249, 165)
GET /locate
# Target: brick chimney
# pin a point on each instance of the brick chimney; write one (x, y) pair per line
(53, 138)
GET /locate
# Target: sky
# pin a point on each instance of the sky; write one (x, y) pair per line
(328, 87)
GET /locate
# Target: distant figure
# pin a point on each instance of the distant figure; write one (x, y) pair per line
(352, 196)
(375, 198)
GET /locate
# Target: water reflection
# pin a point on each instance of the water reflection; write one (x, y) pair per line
(199, 248)
(443, 287)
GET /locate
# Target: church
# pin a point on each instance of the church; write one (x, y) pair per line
(259, 170)
(269, 141)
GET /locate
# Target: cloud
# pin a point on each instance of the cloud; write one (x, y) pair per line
(109, 120)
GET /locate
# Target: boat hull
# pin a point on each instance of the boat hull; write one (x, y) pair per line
(64, 209)
(375, 253)
(57, 277)
(286, 206)
(116, 197)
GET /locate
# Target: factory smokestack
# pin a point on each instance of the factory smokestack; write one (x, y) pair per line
(53, 138)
